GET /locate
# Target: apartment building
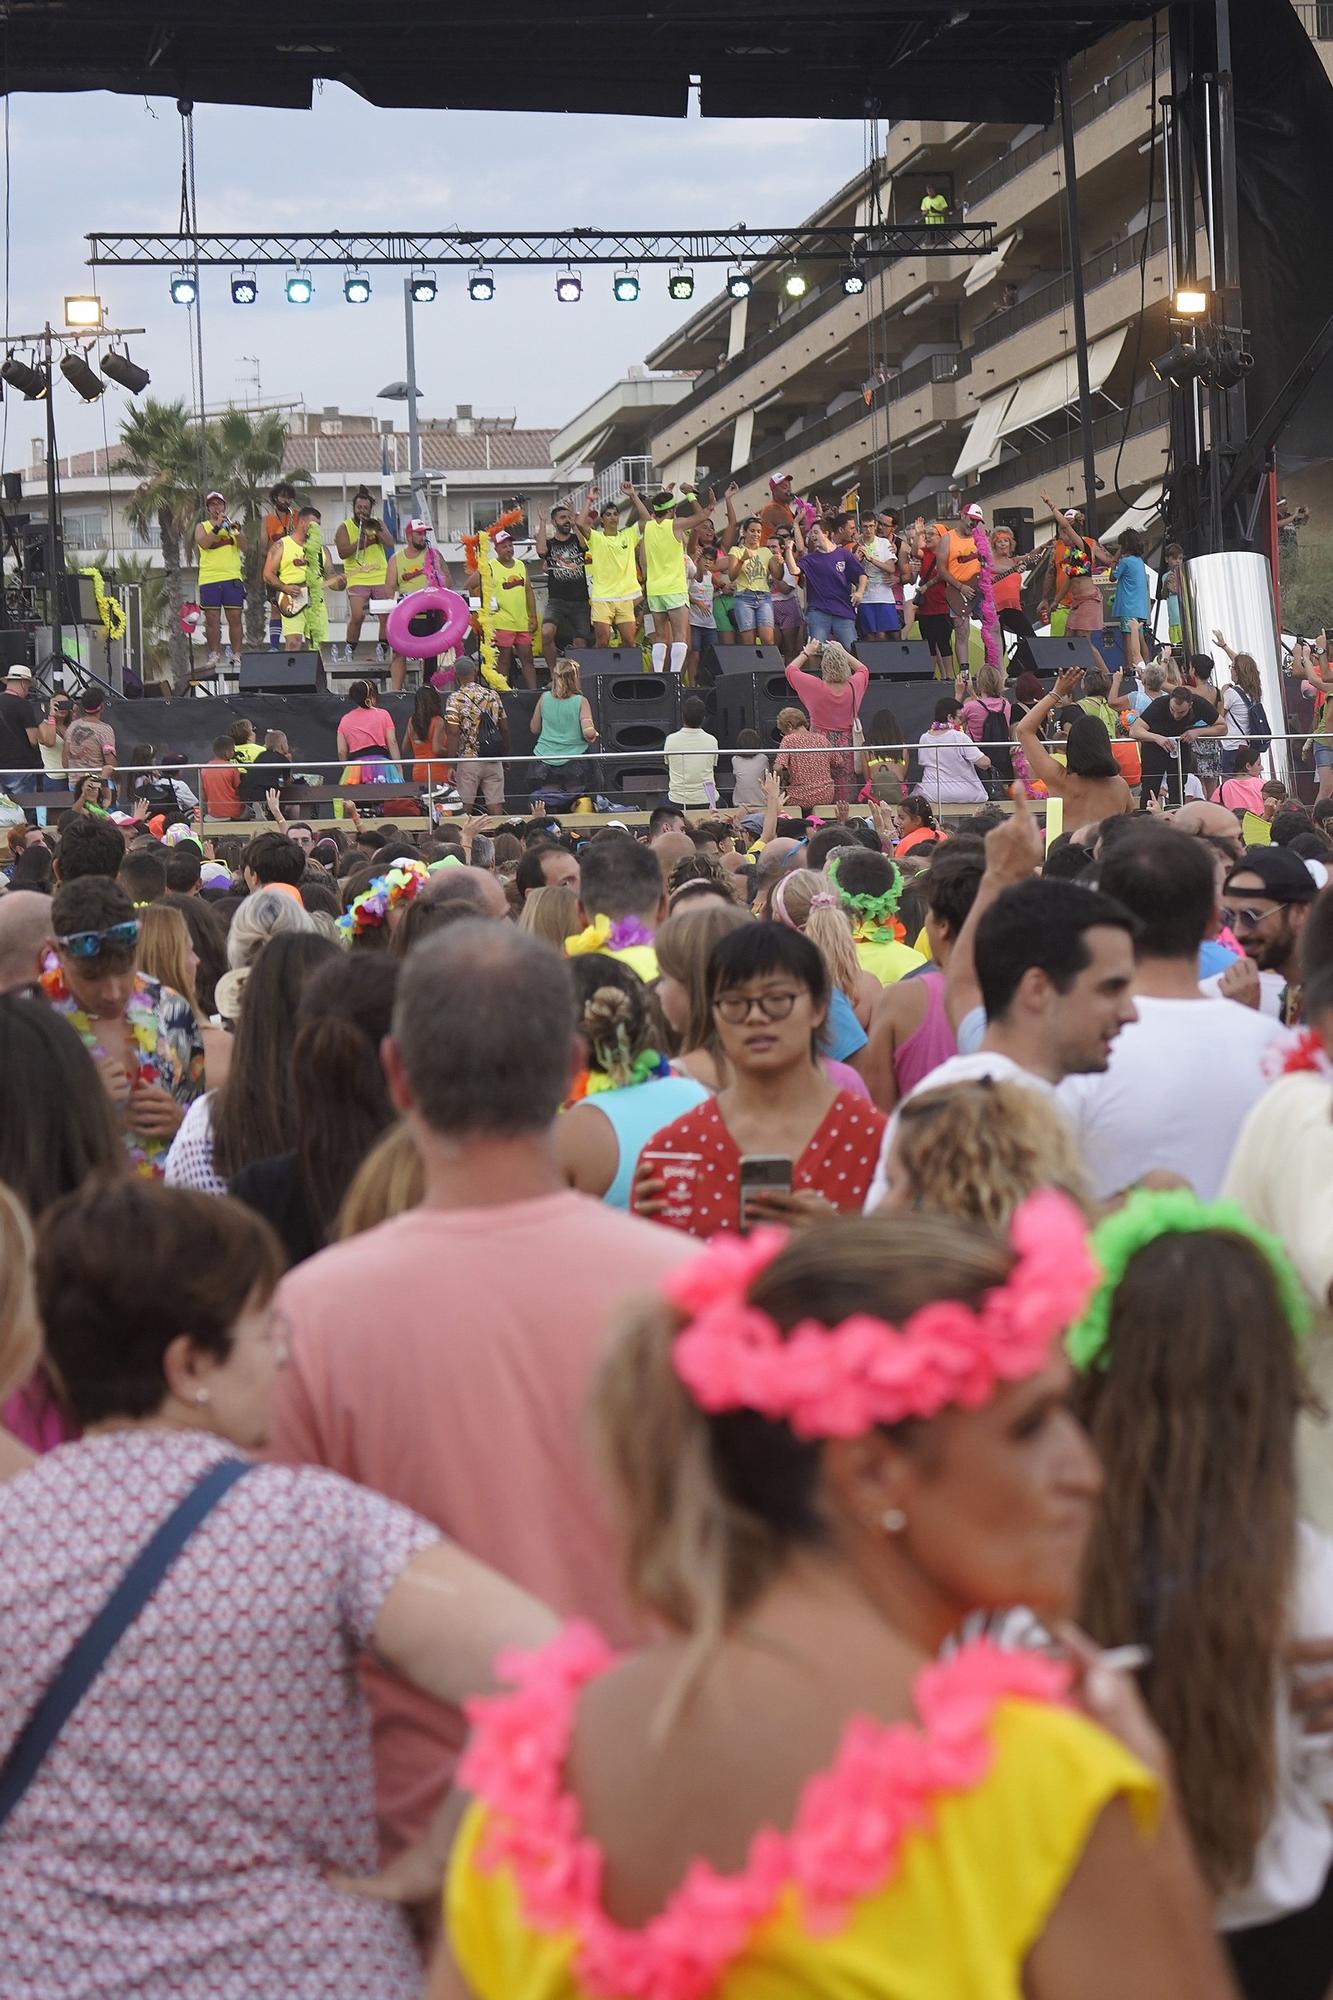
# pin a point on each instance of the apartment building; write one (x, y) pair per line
(953, 372)
(475, 466)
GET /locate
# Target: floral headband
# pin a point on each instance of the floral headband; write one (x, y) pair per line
(840, 1381)
(1172, 1211)
(879, 910)
(366, 912)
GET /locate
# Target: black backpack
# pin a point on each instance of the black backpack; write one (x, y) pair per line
(1257, 727)
(995, 743)
(490, 743)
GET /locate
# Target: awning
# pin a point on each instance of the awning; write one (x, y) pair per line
(1137, 515)
(1055, 386)
(981, 446)
(990, 265)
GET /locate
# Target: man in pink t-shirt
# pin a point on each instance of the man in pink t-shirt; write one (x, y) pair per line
(445, 1358)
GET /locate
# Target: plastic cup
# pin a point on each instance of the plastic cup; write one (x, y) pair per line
(677, 1173)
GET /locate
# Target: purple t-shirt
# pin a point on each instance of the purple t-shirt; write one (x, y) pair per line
(830, 577)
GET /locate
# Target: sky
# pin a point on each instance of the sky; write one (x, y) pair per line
(350, 165)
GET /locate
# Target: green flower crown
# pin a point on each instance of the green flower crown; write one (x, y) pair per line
(875, 909)
(1173, 1211)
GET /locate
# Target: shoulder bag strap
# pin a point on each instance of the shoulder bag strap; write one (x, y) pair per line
(89, 1654)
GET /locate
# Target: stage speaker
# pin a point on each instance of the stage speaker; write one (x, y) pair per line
(13, 488)
(35, 552)
(17, 649)
(731, 708)
(1054, 655)
(1019, 521)
(896, 659)
(639, 782)
(597, 660)
(78, 601)
(281, 673)
(637, 711)
(750, 659)
(752, 701)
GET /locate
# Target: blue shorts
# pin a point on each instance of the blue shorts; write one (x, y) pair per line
(823, 625)
(752, 610)
(211, 595)
(877, 618)
(1323, 756)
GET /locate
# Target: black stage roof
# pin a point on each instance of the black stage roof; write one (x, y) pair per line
(959, 59)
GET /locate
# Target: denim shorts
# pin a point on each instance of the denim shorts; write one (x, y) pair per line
(1323, 756)
(880, 618)
(823, 625)
(752, 609)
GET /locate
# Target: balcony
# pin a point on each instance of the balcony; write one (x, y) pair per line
(1106, 93)
(1149, 414)
(1316, 17)
(935, 368)
(1054, 297)
(641, 473)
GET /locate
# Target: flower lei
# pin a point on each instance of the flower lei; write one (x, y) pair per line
(141, 1018)
(403, 884)
(603, 935)
(645, 1068)
(1173, 1211)
(840, 1381)
(109, 609)
(870, 914)
(1307, 1052)
(851, 1826)
(987, 615)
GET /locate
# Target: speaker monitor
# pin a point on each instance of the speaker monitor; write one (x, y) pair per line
(896, 659)
(638, 711)
(13, 488)
(1019, 522)
(597, 660)
(78, 601)
(1054, 655)
(17, 649)
(749, 659)
(281, 673)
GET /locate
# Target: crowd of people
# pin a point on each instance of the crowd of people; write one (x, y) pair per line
(671, 1415)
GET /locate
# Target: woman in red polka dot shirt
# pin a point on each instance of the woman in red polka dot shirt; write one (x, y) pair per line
(769, 994)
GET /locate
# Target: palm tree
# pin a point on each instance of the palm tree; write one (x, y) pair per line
(245, 452)
(161, 446)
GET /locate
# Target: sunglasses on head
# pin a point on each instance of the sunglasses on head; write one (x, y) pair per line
(89, 944)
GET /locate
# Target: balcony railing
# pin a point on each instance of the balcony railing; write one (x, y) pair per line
(1146, 415)
(935, 368)
(1099, 270)
(1113, 89)
(1316, 17)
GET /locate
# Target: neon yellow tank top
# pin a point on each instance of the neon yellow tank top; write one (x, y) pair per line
(293, 563)
(219, 565)
(411, 570)
(371, 567)
(664, 558)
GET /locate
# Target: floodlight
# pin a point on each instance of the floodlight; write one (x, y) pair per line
(184, 290)
(625, 286)
(1180, 364)
(356, 288)
(853, 279)
(119, 368)
(795, 284)
(569, 288)
(481, 284)
(244, 289)
(1190, 303)
(300, 288)
(75, 369)
(84, 309)
(422, 287)
(34, 382)
(680, 285)
(739, 284)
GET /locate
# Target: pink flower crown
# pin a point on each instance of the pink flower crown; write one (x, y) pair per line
(840, 1381)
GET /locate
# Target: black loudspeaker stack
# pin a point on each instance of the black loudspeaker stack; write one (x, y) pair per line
(594, 661)
(281, 673)
(896, 659)
(1019, 521)
(1054, 655)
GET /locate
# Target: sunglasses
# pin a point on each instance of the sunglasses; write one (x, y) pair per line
(1248, 919)
(90, 944)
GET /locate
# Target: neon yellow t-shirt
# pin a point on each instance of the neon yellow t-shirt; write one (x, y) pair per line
(887, 958)
(664, 558)
(611, 559)
(753, 572)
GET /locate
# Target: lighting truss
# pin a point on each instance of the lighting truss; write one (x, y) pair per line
(876, 244)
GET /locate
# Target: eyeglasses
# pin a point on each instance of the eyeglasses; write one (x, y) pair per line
(1247, 919)
(735, 1007)
(89, 944)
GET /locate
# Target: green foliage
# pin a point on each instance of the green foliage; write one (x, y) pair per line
(1307, 586)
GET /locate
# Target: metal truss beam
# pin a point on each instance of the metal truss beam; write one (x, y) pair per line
(874, 243)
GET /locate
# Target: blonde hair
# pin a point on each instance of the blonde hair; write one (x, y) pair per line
(551, 912)
(683, 946)
(712, 1507)
(976, 1150)
(990, 682)
(20, 1328)
(792, 718)
(806, 901)
(163, 950)
(836, 663)
(389, 1181)
(565, 679)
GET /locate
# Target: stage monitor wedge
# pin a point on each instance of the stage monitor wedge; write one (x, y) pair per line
(1053, 655)
(281, 673)
(896, 659)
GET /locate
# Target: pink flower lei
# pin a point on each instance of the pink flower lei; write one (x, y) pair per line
(840, 1381)
(851, 1825)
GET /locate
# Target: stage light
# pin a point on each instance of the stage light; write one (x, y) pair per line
(1180, 364)
(569, 288)
(356, 288)
(84, 309)
(184, 290)
(244, 289)
(300, 288)
(795, 284)
(680, 285)
(739, 284)
(853, 279)
(119, 368)
(625, 286)
(75, 369)
(422, 287)
(1190, 303)
(1230, 365)
(481, 284)
(33, 382)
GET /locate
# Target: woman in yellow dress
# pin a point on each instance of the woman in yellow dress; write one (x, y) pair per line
(829, 1450)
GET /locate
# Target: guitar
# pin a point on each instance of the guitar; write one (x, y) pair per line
(292, 600)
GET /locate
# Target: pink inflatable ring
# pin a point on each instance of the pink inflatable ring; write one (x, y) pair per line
(411, 628)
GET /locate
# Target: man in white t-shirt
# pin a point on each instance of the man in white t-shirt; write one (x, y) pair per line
(691, 758)
(1183, 1076)
(1055, 965)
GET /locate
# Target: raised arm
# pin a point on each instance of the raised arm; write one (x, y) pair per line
(539, 535)
(730, 498)
(631, 493)
(1043, 766)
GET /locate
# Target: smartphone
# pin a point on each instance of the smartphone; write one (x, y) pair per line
(762, 1173)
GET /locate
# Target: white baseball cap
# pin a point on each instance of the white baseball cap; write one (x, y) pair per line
(423, 525)
(974, 513)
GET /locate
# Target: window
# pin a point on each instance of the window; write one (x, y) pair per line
(85, 529)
